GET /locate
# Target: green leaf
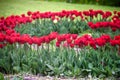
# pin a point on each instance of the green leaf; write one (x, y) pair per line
(1, 76)
(102, 76)
(90, 65)
(86, 70)
(50, 67)
(16, 68)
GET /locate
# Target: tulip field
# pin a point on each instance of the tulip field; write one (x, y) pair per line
(66, 43)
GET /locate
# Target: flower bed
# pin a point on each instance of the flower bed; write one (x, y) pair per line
(66, 43)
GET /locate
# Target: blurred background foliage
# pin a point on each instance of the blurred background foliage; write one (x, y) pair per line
(100, 2)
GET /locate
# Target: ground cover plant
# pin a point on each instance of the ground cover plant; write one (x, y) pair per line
(66, 43)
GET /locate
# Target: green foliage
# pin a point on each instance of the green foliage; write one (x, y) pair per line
(109, 2)
(46, 26)
(61, 61)
(1, 76)
(101, 2)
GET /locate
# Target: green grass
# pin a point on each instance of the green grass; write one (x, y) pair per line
(8, 7)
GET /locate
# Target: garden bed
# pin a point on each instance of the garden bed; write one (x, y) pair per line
(68, 43)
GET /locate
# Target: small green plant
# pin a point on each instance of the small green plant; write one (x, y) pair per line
(1, 76)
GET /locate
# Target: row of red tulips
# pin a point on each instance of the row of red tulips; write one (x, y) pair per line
(67, 40)
(14, 20)
(9, 35)
(113, 25)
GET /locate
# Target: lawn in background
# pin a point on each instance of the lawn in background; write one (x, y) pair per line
(8, 7)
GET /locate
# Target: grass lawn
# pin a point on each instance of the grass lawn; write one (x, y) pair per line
(8, 7)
